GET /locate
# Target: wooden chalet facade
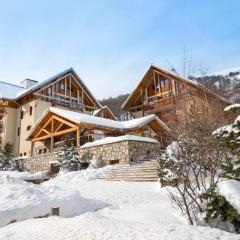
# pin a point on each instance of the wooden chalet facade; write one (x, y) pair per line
(167, 95)
(23, 105)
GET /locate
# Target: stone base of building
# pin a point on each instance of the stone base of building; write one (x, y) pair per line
(123, 152)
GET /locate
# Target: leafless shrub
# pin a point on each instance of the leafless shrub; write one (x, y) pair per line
(191, 163)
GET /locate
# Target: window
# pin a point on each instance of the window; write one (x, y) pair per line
(28, 127)
(44, 150)
(18, 131)
(40, 151)
(21, 114)
(165, 82)
(49, 91)
(62, 86)
(25, 154)
(30, 110)
(20, 154)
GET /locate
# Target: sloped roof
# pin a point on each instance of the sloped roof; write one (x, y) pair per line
(9, 91)
(19, 92)
(84, 119)
(173, 75)
(98, 111)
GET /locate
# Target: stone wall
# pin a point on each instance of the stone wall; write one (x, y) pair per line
(122, 152)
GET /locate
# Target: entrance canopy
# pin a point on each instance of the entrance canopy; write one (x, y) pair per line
(56, 121)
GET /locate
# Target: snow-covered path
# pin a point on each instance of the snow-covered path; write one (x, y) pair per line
(138, 211)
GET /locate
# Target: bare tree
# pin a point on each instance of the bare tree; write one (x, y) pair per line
(190, 165)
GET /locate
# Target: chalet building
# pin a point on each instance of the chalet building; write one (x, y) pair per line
(37, 117)
(169, 96)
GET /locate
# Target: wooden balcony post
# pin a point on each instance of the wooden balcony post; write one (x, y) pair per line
(52, 144)
(78, 137)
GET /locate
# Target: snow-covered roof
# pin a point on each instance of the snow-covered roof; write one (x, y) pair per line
(9, 91)
(98, 111)
(16, 92)
(109, 140)
(84, 119)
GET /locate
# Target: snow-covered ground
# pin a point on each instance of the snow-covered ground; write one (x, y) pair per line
(95, 210)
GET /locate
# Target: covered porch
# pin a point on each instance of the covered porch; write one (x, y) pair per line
(58, 124)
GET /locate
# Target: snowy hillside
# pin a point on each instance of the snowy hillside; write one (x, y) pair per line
(222, 82)
(94, 210)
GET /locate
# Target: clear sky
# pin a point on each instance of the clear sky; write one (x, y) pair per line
(112, 43)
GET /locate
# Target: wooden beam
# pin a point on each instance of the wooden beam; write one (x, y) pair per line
(85, 92)
(48, 121)
(63, 121)
(52, 137)
(55, 134)
(49, 85)
(70, 87)
(78, 137)
(59, 126)
(65, 87)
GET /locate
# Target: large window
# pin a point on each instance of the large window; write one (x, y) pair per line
(49, 90)
(165, 82)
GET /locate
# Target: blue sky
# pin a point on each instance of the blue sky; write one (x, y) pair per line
(112, 43)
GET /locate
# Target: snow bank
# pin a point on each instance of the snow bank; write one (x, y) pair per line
(109, 140)
(140, 211)
(230, 190)
(20, 200)
(83, 175)
(94, 226)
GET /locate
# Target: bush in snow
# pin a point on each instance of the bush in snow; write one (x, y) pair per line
(190, 165)
(218, 208)
(7, 163)
(68, 157)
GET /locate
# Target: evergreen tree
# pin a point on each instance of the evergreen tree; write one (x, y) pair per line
(218, 207)
(68, 157)
(7, 163)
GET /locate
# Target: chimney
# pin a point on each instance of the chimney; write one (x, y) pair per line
(27, 83)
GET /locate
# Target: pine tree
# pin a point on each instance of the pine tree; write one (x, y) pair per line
(68, 157)
(7, 163)
(218, 207)
(229, 136)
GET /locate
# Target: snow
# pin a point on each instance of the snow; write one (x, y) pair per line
(109, 140)
(232, 107)
(230, 190)
(227, 71)
(94, 210)
(81, 118)
(9, 91)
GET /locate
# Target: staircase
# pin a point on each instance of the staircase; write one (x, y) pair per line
(145, 171)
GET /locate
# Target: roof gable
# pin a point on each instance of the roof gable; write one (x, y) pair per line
(146, 78)
(18, 92)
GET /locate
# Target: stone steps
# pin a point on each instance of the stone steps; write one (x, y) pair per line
(141, 172)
